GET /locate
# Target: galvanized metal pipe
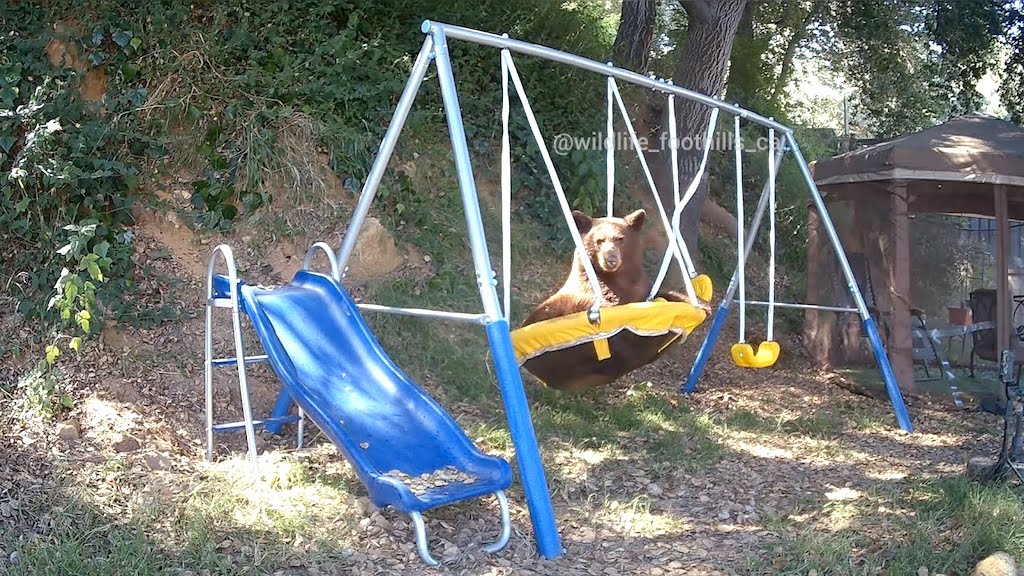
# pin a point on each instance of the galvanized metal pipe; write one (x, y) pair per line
(800, 306)
(332, 260)
(425, 313)
(387, 147)
(488, 39)
(517, 410)
(224, 251)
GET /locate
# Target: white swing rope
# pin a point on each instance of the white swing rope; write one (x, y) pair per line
(690, 190)
(771, 232)
(506, 195)
(678, 249)
(739, 228)
(507, 63)
(609, 142)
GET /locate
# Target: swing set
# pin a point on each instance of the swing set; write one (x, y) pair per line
(336, 372)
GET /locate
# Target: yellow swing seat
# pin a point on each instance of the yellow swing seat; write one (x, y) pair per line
(572, 353)
(703, 287)
(744, 356)
(655, 318)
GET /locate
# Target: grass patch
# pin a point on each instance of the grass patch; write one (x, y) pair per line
(746, 421)
(647, 424)
(301, 512)
(457, 356)
(85, 541)
(693, 448)
(490, 436)
(946, 525)
(822, 551)
(985, 382)
(816, 425)
(958, 522)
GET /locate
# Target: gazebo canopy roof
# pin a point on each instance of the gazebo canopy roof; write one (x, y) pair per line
(949, 168)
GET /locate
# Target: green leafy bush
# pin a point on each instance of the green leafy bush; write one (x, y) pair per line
(214, 85)
(67, 173)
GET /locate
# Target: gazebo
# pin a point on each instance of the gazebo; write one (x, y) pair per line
(972, 165)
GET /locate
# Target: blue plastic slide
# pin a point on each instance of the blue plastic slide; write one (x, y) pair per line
(333, 367)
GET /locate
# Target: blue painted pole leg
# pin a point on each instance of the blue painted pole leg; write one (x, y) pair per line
(538, 498)
(281, 408)
(704, 354)
(895, 396)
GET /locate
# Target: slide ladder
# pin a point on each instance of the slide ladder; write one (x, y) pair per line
(404, 447)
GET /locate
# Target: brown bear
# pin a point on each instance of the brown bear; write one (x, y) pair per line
(616, 253)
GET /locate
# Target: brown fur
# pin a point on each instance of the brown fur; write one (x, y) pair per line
(616, 252)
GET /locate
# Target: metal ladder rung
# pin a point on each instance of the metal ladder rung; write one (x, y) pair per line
(224, 302)
(233, 360)
(256, 423)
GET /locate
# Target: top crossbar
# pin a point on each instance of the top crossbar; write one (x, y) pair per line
(608, 69)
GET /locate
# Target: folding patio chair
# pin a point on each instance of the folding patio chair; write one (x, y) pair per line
(983, 309)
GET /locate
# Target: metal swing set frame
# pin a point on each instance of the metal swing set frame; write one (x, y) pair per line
(494, 318)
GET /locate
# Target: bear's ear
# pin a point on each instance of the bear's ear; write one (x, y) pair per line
(636, 219)
(583, 222)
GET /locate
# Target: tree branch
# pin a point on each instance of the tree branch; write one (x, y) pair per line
(794, 41)
(699, 10)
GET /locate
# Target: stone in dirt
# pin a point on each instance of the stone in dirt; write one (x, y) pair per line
(157, 461)
(114, 339)
(998, 564)
(69, 430)
(126, 443)
(375, 253)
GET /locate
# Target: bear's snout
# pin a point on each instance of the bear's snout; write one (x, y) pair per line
(609, 258)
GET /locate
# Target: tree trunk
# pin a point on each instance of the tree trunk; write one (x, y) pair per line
(632, 48)
(702, 67)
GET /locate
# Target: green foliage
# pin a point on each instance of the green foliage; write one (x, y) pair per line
(765, 52)
(1011, 88)
(43, 394)
(68, 170)
(915, 64)
(944, 525)
(965, 32)
(345, 64)
(883, 55)
(941, 263)
(750, 80)
(218, 83)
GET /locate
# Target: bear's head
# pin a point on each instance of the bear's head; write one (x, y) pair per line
(612, 243)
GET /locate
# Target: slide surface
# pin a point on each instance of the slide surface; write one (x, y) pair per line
(333, 367)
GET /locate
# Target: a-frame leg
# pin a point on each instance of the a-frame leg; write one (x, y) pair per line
(517, 410)
(895, 396)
